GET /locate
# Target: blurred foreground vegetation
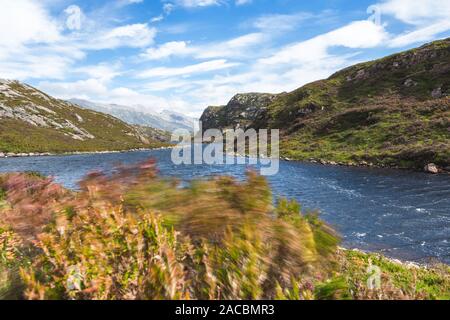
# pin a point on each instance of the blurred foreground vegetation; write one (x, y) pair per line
(134, 235)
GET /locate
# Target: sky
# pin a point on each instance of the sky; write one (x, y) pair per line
(184, 55)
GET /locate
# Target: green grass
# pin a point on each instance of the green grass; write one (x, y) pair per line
(396, 136)
(432, 282)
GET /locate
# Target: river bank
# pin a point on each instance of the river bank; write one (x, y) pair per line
(428, 168)
(47, 154)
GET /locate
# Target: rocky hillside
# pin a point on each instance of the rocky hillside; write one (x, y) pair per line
(165, 120)
(242, 111)
(390, 112)
(32, 121)
(154, 134)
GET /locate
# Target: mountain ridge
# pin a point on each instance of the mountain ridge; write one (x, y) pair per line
(33, 121)
(164, 120)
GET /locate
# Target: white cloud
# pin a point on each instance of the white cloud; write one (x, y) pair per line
(359, 34)
(33, 44)
(416, 12)
(82, 89)
(144, 102)
(197, 3)
(426, 33)
(103, 72)
(280, 22)
(429, 18)
(134, 35)
(27, 66)
(170, 83)
(206, 3)
(242, 2)
(236, 48)
(187, 70)
(128, 2)
(167, 10)
(95, 90)
(34, 25)
(174, 48)
(157, 18)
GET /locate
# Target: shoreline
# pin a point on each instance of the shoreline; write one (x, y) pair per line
(4, 155)
(435, 170)
(404, 263)
(430, 168)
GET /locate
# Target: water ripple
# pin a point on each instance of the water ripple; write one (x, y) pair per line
(403, 214)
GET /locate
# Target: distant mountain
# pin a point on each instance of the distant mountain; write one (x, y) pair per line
(165, 120)
(32, 121)
(391, 112)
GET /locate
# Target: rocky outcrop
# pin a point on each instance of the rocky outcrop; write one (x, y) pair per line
(240, 113)
(214, 117)
(431, 168)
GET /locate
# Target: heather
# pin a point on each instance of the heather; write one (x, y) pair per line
(132, 234)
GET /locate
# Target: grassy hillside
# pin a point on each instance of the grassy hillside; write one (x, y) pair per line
(134, 235)
(394, 111)
(31, 121)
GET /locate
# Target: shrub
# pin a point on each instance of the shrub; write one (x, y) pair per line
(134, 235)
(12, 256)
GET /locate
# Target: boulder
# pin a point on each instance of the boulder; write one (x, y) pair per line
(437, 93)
(360, 74)
(431, 168)
(240, 112)
(410, 83)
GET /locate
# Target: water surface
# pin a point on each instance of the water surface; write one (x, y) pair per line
(403, 214)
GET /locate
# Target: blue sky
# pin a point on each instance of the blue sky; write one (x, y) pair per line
(184, 55)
